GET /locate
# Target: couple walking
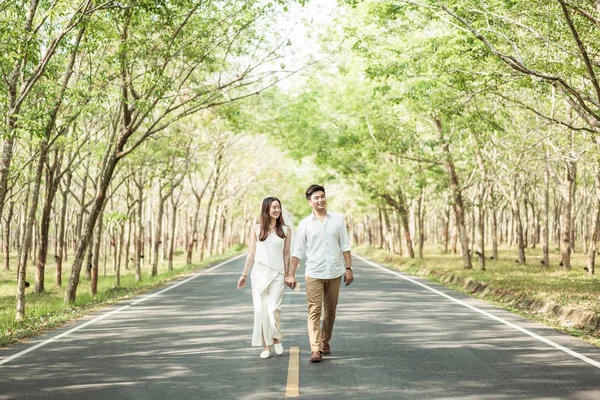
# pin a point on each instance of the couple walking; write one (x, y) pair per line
(322, 238)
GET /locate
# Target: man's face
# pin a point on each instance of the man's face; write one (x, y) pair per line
(317, 201)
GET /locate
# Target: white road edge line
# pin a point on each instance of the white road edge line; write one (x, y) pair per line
(487, 314)
(101, 317)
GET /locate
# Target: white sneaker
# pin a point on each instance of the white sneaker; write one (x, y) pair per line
(265, 354)
(278, 348)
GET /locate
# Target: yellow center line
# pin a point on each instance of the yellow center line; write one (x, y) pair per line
(292, 388)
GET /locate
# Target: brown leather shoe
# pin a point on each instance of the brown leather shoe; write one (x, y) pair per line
(316, 356)
(326, 348)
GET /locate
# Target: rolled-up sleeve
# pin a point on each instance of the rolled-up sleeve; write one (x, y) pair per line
(299, 250)
(344, 239)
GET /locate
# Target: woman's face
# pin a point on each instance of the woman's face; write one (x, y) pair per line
(275, 209)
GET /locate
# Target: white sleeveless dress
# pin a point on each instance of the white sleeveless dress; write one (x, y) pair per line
(268, 284)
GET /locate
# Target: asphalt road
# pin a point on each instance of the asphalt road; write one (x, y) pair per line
(394, 339)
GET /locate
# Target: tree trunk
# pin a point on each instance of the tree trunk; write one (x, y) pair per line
(404, 219)
(52, 182)
(34, 247)
(472, 227)
(584, 230)
(139, 245)
(62, 229)
(514, 202)
(454, 237)
(105, 253)
(502, 227)
(244, 228)
(526, 230)
(573, 210)
(399, 204)
(398, 232)
(194, 237)
(114, 242)
(23, 219)
(389, 236)
(89, 257)
(96, 253)
(128, 243)
(557, 220)
(158, 229)
(22, 267)
(368, 230)
(420, 225)
(165, 240)
(7, 236)
(380, 230)
(546, 218)
(69, 219)
(481, 226)
(456, 192)
(494, 224)
(565, 226)
(174, 206)
(214, 235)
(510, 223)
(230, 233)
(212, 196)
(533, 226)
(591, 259)
(7, 153)
(89, 261)
(446, 228)
(223, 231)
(79, 223)
(120, 253)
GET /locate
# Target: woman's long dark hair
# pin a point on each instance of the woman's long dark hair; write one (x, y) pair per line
(265, 220)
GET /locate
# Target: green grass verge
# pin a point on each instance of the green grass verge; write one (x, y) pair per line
(47, 310)
(574, 288)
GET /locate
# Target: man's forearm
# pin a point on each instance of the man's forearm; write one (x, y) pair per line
(348, 259)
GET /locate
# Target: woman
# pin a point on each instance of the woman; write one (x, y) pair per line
(270, 243)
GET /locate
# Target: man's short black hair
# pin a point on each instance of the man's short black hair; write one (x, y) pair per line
(313, 188)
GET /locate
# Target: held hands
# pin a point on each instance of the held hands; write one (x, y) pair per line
(290, 281)
(242, 282)
(348, 277)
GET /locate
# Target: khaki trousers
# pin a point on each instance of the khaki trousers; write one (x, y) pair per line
(321, 292)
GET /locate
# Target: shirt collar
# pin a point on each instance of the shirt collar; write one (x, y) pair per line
(315, 217)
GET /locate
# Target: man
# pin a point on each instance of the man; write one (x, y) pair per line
(323, 238)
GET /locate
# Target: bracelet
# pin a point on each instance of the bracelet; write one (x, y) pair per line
(245, 276)
(350, 268)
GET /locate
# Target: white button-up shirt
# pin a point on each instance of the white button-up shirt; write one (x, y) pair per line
(323, 244)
